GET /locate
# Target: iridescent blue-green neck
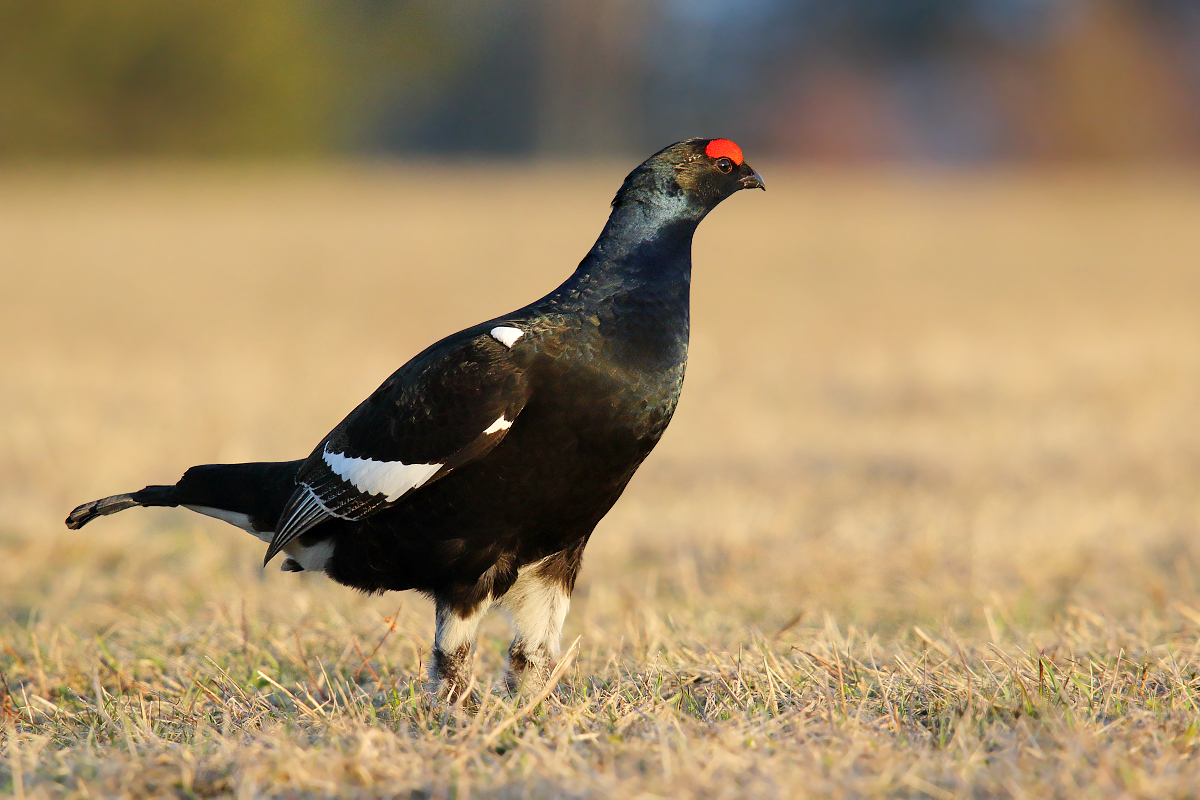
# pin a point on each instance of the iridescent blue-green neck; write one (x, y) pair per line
(645, 245)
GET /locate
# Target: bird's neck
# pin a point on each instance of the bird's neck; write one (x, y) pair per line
(644, 249)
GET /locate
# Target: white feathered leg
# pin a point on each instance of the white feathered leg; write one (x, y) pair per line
(537, 604)
(450, 666)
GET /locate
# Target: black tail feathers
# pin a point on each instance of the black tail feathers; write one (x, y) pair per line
(150, 496)
(258, 491)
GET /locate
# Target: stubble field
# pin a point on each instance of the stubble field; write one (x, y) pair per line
(926, 524)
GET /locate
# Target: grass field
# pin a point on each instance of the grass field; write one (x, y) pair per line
(927, 523)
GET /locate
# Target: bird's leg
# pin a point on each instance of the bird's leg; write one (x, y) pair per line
(450, 666)
(538, 603)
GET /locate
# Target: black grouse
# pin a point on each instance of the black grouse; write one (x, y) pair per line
(476, 473)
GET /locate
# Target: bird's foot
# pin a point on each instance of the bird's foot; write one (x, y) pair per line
(527, 671)
(454, 700)
(450, 685)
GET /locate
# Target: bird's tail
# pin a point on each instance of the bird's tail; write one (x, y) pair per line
(251, 496)
(150, 496)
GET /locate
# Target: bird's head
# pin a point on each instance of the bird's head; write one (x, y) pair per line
(690, 177)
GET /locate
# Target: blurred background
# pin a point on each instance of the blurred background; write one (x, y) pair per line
(943, 81)
(952, 355)
(944, 373)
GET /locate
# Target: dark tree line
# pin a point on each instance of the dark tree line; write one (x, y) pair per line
(942, 80)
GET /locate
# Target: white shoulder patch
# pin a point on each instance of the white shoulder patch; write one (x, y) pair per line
(506, 336)
(499, 425)
(388, 478)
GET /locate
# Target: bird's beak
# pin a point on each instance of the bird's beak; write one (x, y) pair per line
(753, 180)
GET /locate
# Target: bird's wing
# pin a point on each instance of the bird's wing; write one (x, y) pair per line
(448, 406)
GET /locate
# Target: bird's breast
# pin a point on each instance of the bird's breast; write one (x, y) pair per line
(606, 375)
(606, 395)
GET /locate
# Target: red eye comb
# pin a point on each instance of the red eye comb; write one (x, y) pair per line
(723, 148)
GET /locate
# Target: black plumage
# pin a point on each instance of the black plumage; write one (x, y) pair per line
(477, 472)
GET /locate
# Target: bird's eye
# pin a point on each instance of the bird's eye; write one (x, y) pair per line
(725, 165)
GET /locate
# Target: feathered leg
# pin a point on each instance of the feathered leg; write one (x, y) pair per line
(450, 665)
(538, 603)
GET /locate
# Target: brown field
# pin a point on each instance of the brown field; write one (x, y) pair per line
(927, 523)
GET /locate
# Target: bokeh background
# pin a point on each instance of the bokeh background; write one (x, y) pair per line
(926, 522)
(943, 81)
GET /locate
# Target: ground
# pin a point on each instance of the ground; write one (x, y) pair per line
(927, 523)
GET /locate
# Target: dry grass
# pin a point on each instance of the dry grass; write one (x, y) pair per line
(927, 522)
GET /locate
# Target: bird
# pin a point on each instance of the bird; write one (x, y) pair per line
(477, 472)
